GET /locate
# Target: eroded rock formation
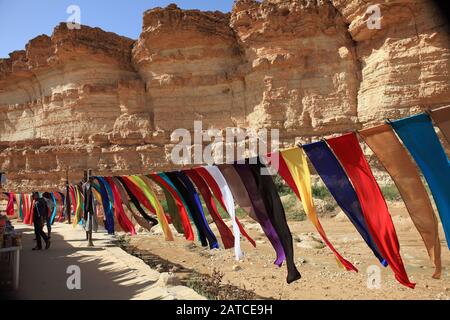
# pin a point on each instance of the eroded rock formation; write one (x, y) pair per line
(92, 99)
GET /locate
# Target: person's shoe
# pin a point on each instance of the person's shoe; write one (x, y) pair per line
(47, 244)
(36, 248)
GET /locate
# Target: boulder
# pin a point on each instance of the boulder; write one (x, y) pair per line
(311, 244)
(167, 279)
(341, 217)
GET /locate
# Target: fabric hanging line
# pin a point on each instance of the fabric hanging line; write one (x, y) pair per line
(440, 117)
(404, 147)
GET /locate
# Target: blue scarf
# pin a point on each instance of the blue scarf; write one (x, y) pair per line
(190, 186)
(422, 142)
(109, 216)
(54, 208)
(337, 182)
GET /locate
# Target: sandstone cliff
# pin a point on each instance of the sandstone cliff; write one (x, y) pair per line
(91, 99)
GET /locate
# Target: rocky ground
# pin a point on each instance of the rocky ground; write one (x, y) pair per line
(321, 277)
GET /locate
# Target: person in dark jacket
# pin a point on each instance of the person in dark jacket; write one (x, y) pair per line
(40, 217)
(50, 206)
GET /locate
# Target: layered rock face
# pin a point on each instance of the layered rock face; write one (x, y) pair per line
(69, 102)
(405, 64)
(301, 73)
(190, 63)
(92, 99)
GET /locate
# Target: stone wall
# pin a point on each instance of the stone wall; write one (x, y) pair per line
(91, 99)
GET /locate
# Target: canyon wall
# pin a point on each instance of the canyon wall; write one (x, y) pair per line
(87, 98)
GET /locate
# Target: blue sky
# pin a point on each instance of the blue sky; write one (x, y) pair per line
(22, 20)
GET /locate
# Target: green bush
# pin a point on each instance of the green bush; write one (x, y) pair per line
(390, 192)
(330, 206)
(241, 213)
(320, 192)
(281, 186)
(295, 215)
(293, 208)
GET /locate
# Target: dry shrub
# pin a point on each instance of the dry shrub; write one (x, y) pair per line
(213, 288)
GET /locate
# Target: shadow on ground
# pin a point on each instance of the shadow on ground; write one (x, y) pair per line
(43, 274)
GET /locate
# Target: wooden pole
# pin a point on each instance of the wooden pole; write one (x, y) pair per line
(68, 204)
(88, 174)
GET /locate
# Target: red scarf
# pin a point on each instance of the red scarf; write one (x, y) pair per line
(375, 210)
(188, 232)
(225, 232)
(218, 194)
(122, 218)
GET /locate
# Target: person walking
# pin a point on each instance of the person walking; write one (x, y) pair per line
(50, 206)
(40, 217)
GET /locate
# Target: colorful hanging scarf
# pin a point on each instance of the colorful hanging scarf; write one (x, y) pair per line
(10, 205)
(28, 205)
(225, 232)
(53, 214)
(441, 118)
(82, 199)
(149, 182)
(132, 190)
(61, 199)
(238, 190)
(298, 168)
(227, 199)
(219, 187)
(336, 180)
(133, 215)
(96, 191)
(259, 207)
(138, 193)
(25, 206)
(68, 203)
(172, 208)
(419, 137)
(107, 208)
(156, 204)
(192, 205)
(165, 183)
(58, 205)
(122, 218)
(283, 171)
(275, 211)
(79, 209)
(19, 205)
(72, 198)
(376, 213)
(395, 159)
(98, 197)
(212, 240)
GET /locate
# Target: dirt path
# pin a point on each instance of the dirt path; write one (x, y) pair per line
(321, 278)
(107, 272)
